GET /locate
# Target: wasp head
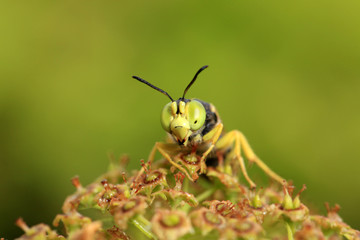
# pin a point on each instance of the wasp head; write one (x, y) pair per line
(184, 117)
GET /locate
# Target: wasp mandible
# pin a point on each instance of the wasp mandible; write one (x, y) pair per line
(195, 126)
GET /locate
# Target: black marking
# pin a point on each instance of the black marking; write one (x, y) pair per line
(178, 103)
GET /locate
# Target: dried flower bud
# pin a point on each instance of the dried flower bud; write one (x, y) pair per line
(191, 162)
(293, 209)
(309, 231)
(116, 234)
(244, 228)
(126, 209)
(177, 198)
(207, 220)
(256, 201)
(334, 223)
(224, 208)
(89, 231)
(72, 221)
(149, 180)
(40, 231)
(111, 193)
(82, 197)
(170, 224)
(255, 208)
(287, 203)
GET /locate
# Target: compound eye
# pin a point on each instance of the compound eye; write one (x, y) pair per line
(196, 115)
(166, 117)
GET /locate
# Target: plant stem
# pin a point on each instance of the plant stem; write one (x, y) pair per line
(143, 225)
(205, 194)
(290, 232)
(143, 220)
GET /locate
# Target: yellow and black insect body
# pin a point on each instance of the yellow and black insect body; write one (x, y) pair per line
(197, 131)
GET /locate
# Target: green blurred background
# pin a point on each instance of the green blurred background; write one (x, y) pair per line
(286, 74)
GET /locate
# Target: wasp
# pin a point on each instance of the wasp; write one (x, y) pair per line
(194, 126)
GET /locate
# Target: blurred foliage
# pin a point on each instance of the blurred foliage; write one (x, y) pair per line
(284, 73)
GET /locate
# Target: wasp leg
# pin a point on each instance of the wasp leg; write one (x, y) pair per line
(164, 149)
(211, 137)
(232, 140)
(237, 140)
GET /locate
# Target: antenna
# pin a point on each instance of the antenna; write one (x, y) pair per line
(192, 81)
(156, 88)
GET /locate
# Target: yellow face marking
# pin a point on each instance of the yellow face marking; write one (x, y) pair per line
(180, 129)
(182, 107)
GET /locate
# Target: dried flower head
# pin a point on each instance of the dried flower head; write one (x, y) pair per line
(191, 162)
(243, 228)
(309, 231)
(293, 208)
(89, 231)
(116, 234)
(111, 193)
(334, 224)
(83, 197)
(231, 211)
(40, 231)
(72, 221)
(207, 220)
(149, 180)
(170, 224)
(126, 209)
(224, 208)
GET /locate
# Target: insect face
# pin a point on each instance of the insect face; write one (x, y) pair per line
(183, 118)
